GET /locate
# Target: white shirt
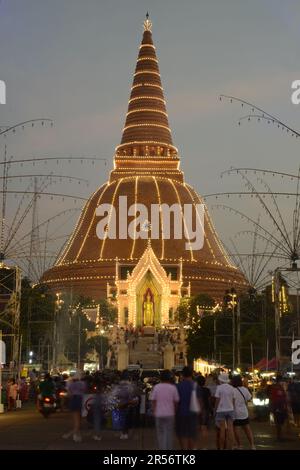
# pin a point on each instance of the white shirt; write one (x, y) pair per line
(166, 396)
(225, 393)
(240, 406)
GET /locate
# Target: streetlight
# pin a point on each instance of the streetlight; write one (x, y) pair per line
(233, 302)
(277, 286)
(72, 313)
(30, 357)
(215, 309)
(298, 315)
(101, 347)
(57, 306)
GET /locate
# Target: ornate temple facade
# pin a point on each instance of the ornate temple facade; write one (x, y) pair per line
(146, 280)
(148, 296)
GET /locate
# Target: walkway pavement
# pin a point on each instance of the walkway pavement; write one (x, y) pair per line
(27, 429)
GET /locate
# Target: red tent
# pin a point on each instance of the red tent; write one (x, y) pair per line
(263, 364)
(272, 364)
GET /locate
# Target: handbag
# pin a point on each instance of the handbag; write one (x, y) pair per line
(18, 402)
(246, 403)
(194, 402)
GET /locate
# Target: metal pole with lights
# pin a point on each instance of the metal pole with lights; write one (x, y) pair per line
(277, 317)
(277, 311)
(238, 333)
(101, 348)
(57, 307)
(298, 315)
(233, 336)
(2, 361)
(233, 302)
(215, 338)
(79, 342)
(215, 310)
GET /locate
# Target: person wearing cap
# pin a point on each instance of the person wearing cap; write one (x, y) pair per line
(224, 411)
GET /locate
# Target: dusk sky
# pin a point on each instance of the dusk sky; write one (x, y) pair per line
(73, 61)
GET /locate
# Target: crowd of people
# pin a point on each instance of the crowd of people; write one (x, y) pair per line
(15, 391)
(189, 408)
(195, 404)
(185, 404)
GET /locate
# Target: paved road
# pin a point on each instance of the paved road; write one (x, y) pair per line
(27, 429)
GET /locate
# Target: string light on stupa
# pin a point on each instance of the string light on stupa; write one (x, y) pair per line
(148, 72)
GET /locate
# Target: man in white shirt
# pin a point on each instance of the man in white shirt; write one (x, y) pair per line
(224, 411)
(165, 399)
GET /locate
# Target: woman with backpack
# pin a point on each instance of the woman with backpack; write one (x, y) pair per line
(241, 416)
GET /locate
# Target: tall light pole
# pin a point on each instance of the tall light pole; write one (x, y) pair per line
(2, 360)
(101, 348)
(277, 312)
(233, 336)
(54, 337)
(238, 334)
(215, 338)
(233, 303)
(298, 315)
(215, 310)
(264, 316)
(79, 342)
(277, 317)
(57, 307)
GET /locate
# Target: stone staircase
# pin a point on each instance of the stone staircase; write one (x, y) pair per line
(148, 359)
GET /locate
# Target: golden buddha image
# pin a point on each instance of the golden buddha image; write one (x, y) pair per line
(148, 311)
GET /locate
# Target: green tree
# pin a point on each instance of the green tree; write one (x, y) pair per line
(200, 322)
(108, 312)
(36, 318)
(183, 311)
(74, 326)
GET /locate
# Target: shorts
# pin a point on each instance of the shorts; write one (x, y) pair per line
(224, 416)
(204, 418)
(186, 426)
(280, 417)
(241, 422)
(75, 403)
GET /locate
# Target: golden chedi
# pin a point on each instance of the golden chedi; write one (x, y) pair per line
(146, 171)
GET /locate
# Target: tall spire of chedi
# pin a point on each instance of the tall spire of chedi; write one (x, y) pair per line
(146, 142)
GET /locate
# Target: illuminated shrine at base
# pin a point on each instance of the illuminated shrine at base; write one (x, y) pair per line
(145, 280)
(149, 295)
